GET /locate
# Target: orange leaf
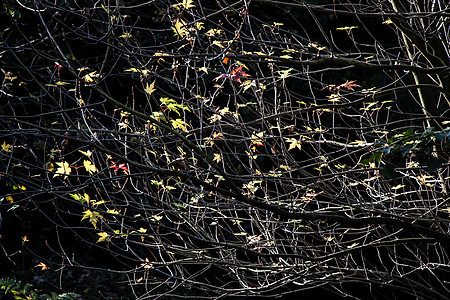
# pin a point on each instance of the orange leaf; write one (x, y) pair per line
(42, 266)
(349, 85)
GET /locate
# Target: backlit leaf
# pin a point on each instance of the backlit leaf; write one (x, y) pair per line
(6, 147)
(63, 169)
(90, 167)
(149, 89)
(103, 236)
(179, 28)
(93, 217)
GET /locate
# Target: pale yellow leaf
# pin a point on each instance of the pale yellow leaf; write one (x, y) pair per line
(149, 89)
(63, 169)
(217, 157)
(90, 167)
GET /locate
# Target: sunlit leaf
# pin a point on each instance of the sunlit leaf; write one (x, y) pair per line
(179, 28)
(179, 124)
(149, 89)
(63, 169)
(42, 266)
(126, 35)
(103, 236)
(294, 143)
(87, 153)
(217, 157)
(286, 73)
(349, 85)
(6, 147)
(93, 217)
(10, 199)
(399, 186)
(90, 167)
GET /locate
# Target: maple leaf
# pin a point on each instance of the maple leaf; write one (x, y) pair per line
(217, 157)
(93, 217)
(187, 4)
(120, 166)
(179, 123)
(63, 169)
(81, 198)
(149, 89)
(90, 167)
(42, 266)
(237, 73)
(349, 85)
(179, 28)
(294, 143)
(6, 147)
(103, 236)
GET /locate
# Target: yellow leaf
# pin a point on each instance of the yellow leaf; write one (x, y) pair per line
(204, 69)
(141, 71)
(91, 168)
(90, 77)
(113, 211)
(62, 83)
(186, 4)
(149, 89)
(179, 28)
(6, 147)
(63, 169)
(142, 230)
(399, 186)
(156, 218)
(217, 157)
(294, 143)
(25, 239)
(87, 153)
(20, 186)
(178, 123)
(126, 35)
(103, 236)
(93, 217)
(285, 74)
(10, 199)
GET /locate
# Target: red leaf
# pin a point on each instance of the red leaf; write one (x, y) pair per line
(349, 85)
(120, 166)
